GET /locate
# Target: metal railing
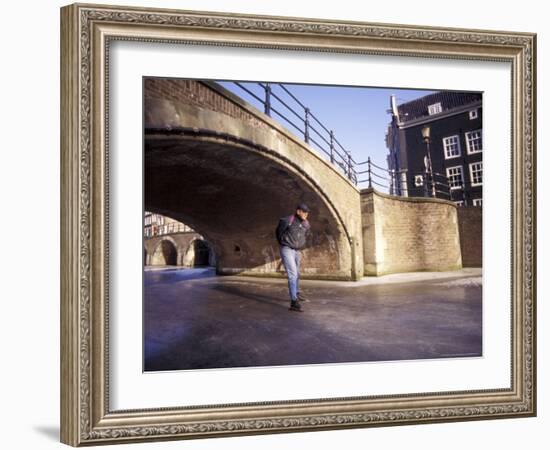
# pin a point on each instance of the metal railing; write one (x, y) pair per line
(376, 175)
(279, 100)
(425, 184)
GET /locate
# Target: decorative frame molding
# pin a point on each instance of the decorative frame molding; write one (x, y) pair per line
(86, 31)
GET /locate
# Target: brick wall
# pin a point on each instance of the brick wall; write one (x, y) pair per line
(470, 226)
(408, 234)
(201, 95)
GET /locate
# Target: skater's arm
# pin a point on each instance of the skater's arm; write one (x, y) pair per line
(281, 227)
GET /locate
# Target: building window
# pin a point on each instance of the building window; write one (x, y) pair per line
(434, 109)
(451, 146)
(477, 202)
(473, 114)
(474, 141)
(455, 177)
(459, 203)
(476, 173)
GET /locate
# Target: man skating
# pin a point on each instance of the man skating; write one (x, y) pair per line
(291, 234)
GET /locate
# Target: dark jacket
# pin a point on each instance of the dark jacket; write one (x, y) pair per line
(292, 232)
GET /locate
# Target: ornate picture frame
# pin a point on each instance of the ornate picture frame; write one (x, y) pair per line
(86, 34)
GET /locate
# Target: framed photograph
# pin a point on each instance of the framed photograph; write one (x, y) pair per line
(276, 224)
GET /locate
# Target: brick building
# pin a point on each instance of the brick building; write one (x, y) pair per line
(435, 147)
(158, 225)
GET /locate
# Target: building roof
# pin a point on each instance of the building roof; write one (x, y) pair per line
(449, 100)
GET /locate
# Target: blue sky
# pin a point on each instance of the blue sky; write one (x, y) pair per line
(358, 116)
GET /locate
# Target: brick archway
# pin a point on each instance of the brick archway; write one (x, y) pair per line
(231, 174)
(165, 253)
(198, 253)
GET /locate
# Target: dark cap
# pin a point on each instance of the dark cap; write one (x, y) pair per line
(303, 207)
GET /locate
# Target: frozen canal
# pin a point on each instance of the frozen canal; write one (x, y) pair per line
(194, 319)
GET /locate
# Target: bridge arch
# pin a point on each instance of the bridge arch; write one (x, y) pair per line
(231, 176)
(198, 253)
(165, 253)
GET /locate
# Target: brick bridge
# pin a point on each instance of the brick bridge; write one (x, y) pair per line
(218, 164)
(187, 249)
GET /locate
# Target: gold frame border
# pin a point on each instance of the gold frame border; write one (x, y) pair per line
(85, 34)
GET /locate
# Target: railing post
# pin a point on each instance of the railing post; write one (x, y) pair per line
(403, 186)
(306, 122)
(349, 166)
(332, 146)
(369, 172)
(267, 104)
(426, 188)
(463, 192)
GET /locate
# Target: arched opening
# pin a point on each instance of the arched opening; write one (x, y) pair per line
(224, 196)
(202, 253)
(199, 253)
(165, 254)
(232, 178)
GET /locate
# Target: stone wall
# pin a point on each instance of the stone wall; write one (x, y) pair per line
(470, 225)
(181, 242)
(405, 234)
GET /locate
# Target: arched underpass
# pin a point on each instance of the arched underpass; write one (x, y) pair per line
(234, 196)
(231, 175)
(165, 254)
(200, 251)
(185, 249)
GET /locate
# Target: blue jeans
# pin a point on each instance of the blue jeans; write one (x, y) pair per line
(291, 260)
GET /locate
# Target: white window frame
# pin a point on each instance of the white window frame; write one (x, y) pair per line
(473, 183)
(474, 114)
(434, 109)
(467, 138)
(448, 169)
(459, 203)
(445, 144)
(477, 202)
